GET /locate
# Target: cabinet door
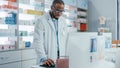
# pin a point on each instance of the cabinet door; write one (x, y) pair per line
(11, 65)
(29, 63)
(28, 54)
(11, 56)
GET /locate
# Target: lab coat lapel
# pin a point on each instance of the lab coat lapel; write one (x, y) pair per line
(51, 24)
(50, 21)
(60, 27)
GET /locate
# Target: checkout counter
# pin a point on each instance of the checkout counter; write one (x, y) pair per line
(99, 64)
(86, 50)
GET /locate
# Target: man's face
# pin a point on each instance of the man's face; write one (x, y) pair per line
(57, 9)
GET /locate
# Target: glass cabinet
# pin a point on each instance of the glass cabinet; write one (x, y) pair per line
(8, 24)
(29, 10)
(17, 19)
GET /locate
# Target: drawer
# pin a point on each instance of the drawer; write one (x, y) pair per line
(28, 54)
(10, 56)
(11, 65)
(28, 63)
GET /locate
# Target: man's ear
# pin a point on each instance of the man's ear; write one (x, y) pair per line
(51, 6)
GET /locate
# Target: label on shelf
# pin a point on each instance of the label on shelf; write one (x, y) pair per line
(81, 13)
(29, 11)
(82, 20)
(3, 26)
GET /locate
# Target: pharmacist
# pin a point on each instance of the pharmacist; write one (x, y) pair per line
(50, 34)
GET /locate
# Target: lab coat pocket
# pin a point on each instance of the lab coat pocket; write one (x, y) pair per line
(63, 32)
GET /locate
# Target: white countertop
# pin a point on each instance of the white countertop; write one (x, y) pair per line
(99, 64)
(36, 66)
(103, 64)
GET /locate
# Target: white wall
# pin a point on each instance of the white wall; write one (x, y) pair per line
(106, 8)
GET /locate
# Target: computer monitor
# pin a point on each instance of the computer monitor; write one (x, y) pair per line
(79, 46)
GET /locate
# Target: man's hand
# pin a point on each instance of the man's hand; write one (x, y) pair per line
(48, 62)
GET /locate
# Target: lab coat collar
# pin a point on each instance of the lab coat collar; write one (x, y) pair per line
(50, 21)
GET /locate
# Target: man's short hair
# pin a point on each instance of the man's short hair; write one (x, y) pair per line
(57, 1)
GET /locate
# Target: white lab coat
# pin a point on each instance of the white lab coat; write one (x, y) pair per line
(45, 40)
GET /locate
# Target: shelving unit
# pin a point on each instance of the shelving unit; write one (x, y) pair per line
(17, 19)
(70, 15)
(28, 12)
(82, 19)
(47, 5)
(8, 25)
(82, 7)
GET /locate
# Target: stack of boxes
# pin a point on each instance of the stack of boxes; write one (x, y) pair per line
(11, 19)
(115, 43)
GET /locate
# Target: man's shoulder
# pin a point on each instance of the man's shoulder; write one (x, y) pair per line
(43, 17)
(62, 17)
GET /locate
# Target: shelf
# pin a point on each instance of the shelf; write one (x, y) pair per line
(70, 8)
(81, 9)
(3, 14)
(23, 16)
(34, 6)
(31, 1)
(82, 15)
(82, 20)
(7, 26)
(8, 6)
(70, 2)
(26, 6)
(83, 4)
(4, 2)
(17, 49)
(8, 35)
(27, 22)
(48, 2)
(26, 28)
(27, 38)
(29, 15)
(3, 26)
(4, 40)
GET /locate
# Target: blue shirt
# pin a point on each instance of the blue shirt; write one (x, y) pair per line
(55, 21)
